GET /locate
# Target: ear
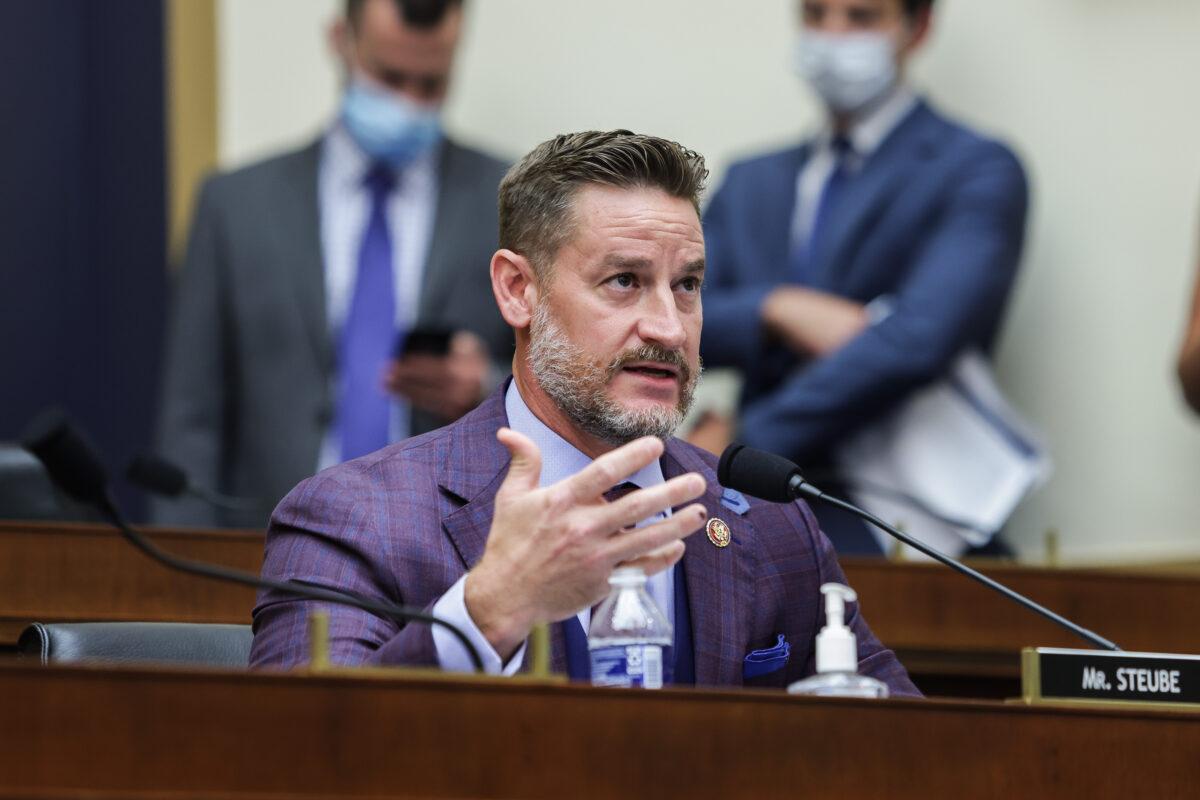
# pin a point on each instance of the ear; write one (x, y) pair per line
(919, 29)
(515, 286)
(339, 39)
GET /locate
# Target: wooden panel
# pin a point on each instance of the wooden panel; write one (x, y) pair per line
(191, 39)
(61, 572)
(925, 605)
(957, 638)
(141, 733)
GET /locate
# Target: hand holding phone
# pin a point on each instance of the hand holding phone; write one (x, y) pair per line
(426, 340)
(442, 372)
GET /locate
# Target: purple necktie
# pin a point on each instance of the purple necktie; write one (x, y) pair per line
(364, 408)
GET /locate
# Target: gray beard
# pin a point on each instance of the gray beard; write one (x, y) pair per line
(579, 386)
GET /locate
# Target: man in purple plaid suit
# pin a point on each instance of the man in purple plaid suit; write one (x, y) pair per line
(499, 521)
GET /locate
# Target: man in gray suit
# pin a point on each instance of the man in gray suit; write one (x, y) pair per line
(307, 273)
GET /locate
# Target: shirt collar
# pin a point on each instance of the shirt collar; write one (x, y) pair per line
(870, 128)
(560, 458)
(346, 163)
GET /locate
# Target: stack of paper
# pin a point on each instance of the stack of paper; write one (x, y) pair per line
(956, 449)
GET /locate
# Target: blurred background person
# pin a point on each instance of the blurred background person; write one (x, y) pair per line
(336, 298)
(118, 106)
(852, 269)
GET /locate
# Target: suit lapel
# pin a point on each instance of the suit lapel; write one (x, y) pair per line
(298, 231)
(719, 579)
(474, 466)
(437, 281)
(777, 213)
(881, 178)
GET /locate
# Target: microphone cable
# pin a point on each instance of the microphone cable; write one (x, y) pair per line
(74, 465)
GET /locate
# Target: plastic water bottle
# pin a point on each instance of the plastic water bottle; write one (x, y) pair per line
(630, 639)
(837, 654)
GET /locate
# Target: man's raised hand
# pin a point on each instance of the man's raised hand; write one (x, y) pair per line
(550, 550)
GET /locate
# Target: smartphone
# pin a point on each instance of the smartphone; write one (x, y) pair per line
(427, 340)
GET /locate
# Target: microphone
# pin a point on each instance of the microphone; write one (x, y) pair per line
(159, 476)
(774, 478)
(73, 464)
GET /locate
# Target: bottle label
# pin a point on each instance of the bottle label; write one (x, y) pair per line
(630, 666)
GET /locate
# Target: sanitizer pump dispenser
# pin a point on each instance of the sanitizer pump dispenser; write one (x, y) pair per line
(837, 654)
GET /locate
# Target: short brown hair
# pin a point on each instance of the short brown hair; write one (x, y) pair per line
(417, 13)
(537, 193)
(915, 7)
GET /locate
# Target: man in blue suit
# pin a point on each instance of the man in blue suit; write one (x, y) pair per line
(851, 270)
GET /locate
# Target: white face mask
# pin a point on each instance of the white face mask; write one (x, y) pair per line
(848, 70)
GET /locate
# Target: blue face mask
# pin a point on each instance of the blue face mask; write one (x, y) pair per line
(387, 126)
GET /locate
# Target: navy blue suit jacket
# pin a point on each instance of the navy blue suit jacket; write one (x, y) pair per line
(934, 218)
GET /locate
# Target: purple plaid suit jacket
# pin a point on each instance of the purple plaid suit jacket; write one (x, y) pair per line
(404, 523)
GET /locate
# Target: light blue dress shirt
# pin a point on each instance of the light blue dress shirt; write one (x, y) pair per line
(560, 460)
(344, 208)
(866, 134)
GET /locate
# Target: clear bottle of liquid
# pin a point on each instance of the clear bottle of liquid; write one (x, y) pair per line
(837, 654)
(630, 639)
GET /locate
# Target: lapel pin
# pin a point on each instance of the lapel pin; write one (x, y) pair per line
(718, 532)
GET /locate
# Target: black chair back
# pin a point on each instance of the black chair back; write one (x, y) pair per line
(138, 642)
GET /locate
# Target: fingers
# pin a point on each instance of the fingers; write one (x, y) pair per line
(657, 560)
(642, 541)
(611, 468)
(637, 506)
(526, 466)
(420, 369)
(425, 398)
(431, 402)
(465, 343)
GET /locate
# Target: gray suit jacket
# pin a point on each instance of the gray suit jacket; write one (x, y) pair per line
(247, 391)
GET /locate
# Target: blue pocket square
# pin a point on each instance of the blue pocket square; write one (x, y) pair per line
(760, 662)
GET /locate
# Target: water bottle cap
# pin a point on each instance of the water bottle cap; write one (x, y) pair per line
(627, 576)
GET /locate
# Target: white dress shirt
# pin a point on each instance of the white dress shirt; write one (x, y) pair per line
(865, 134)
(344, 208)
(560, 460)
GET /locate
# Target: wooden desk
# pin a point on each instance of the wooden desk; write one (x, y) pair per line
(960, 635)
(957, 638)
(141, 733)
(65, 572)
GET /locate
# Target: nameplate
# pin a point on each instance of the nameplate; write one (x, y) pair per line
(1052, 674)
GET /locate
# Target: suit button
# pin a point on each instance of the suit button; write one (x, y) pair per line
(324, 416)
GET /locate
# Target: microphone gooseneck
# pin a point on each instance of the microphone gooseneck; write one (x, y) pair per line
(73, 464)
(774, 478)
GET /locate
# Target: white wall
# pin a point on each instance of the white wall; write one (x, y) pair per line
(1098, 97)
(530, 69)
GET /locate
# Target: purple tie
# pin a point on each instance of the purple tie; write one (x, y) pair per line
(364, 409)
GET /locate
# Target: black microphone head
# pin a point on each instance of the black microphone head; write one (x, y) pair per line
(757, 473)
(157, 475)
(69, 457)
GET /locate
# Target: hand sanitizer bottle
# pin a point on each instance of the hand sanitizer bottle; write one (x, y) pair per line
(837, 654)
(630, 639)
